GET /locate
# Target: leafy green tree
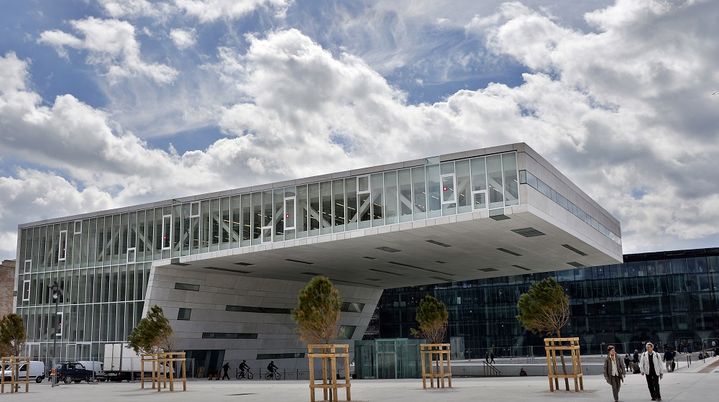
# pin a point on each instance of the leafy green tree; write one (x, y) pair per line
(318, 311)
(12, 335)
(432, 317)
(152, 334)
(544, 310)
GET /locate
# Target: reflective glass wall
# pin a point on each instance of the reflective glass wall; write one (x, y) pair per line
(102, 262)
(669, 298)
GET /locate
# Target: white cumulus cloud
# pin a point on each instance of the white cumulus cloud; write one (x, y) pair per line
(212, 10)
(136, 8)
(183, 38)
(112, 44)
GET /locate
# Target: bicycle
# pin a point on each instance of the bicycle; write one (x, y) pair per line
(240, 374)
(274, 374)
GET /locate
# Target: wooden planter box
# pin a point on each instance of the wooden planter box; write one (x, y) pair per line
(436, 364)
(329, 384)
(14, 362)
(163, 370)
(551, 346)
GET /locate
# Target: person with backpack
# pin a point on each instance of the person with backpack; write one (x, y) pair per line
(651, 367)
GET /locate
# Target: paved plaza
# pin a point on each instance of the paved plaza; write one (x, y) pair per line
(679, 386)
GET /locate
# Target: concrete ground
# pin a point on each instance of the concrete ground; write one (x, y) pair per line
(678, 386)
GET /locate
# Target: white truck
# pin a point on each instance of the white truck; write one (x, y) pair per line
(122, 363)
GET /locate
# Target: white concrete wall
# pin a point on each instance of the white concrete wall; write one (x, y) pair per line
(277, 333)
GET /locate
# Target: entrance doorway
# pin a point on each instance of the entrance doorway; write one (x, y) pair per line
(203, 363)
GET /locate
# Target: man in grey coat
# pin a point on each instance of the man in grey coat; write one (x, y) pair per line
(651, 367)
(614, 371)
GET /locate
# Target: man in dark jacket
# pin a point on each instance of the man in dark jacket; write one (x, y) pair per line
(614, 371)
(668, 358)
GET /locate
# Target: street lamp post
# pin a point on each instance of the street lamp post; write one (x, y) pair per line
(56, 293)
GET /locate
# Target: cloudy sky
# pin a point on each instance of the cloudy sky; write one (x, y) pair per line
(106, 103)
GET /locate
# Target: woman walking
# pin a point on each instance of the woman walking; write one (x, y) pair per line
(614, 371)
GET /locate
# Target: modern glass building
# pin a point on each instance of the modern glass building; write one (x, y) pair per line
(669, 298)
(226, 267)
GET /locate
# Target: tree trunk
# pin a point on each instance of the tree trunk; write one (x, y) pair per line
(329, 375)
(564, 365)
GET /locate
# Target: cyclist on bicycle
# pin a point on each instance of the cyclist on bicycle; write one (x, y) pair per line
(244, 368)
(272, 368)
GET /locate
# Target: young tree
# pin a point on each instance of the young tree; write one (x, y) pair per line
(12, 335)
(432, 318)
(152, 334)
(318, 311)
(544, 309)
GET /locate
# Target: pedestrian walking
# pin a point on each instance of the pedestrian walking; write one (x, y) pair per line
(651, 367)
(491, 357)
(225, 368)
(614, 371)
(668, 359)
(635, 361)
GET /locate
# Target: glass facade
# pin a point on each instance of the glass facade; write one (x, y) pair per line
(669, 298)
(102, 261)
(387, 358)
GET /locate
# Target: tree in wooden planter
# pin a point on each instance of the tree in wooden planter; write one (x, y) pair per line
(12, 335)
(317, 316)
(432, 317)
(544, 310)
(152, 340)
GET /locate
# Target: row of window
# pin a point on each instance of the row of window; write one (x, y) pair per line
(99, 322)
(278, 356)
(526, 177)
(228, 335)
(346, 307)
(91, 285)
(344, 332)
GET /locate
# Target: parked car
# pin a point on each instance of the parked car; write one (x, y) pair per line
(74, 372)
(37, 371)
(96, 367)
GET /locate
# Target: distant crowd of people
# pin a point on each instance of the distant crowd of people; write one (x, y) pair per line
(632, 362)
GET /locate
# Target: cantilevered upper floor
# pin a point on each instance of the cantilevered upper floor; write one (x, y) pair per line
(488, 212)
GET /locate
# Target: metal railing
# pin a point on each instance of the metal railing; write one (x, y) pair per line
(491, 371)
(260, 374)
(529, 354)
